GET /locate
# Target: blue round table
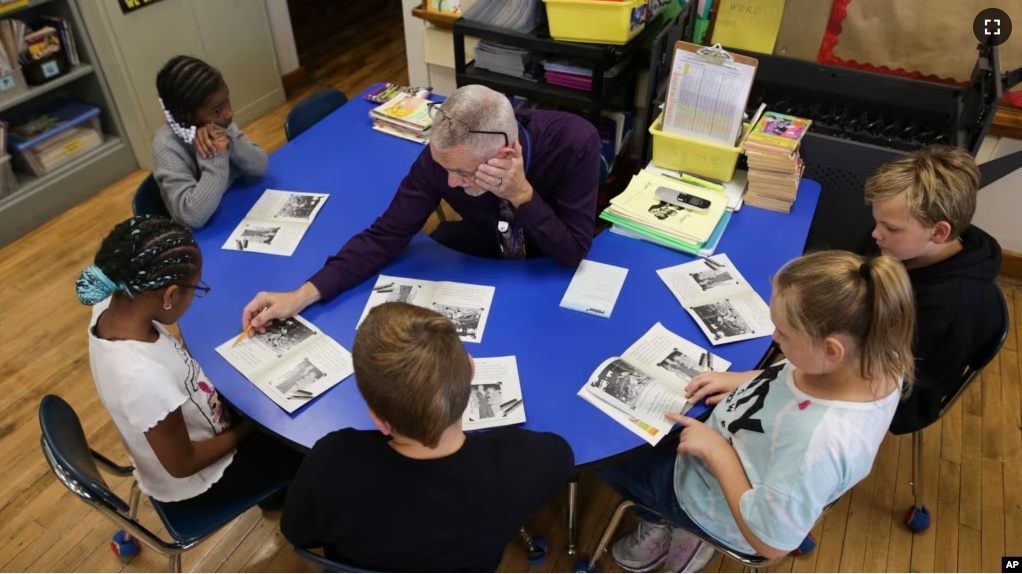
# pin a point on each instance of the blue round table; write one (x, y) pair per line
(557, 350)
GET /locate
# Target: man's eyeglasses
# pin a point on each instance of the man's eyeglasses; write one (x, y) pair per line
(201, 289)
(457, 127)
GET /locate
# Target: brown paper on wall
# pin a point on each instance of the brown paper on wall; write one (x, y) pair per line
(926, 36)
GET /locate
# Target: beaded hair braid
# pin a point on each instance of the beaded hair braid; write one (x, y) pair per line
(141, 254)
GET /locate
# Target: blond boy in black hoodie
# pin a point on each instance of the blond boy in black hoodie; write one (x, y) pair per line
(923, 204)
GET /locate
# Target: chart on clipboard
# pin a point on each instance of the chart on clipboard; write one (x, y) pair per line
(707, 94)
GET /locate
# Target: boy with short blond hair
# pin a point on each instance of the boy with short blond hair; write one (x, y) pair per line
(923, 205)
(419, 494)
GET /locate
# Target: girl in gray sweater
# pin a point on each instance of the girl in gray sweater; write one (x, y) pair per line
(201, 151)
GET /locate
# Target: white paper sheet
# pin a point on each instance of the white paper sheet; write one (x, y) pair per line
(467, 306)
(277, 222)
(707, 101)
(594, 288)
(292, 362)
(722, 303)
(496, 398)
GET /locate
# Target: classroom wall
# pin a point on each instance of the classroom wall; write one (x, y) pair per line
(232, 35)
(1000, 203)
(283, 36)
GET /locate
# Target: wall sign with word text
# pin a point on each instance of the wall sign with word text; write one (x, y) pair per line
(132, 5)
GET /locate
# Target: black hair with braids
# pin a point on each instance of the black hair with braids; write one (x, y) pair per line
(143, 253)
(184, 84)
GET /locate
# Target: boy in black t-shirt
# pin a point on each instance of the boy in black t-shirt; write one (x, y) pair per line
(923, 204)
(419, 494)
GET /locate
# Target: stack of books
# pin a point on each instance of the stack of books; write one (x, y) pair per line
(507, 60)
(775, 165)
(569, 75)
(67, 38)
(404, 116)
(641, 212)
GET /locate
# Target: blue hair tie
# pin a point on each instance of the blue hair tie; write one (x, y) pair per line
(94, 286)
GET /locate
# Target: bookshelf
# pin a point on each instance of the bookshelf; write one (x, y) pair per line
(39, 199)
(617, 94)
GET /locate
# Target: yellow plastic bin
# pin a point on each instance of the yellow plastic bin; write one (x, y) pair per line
(690, 155)
(598, 22)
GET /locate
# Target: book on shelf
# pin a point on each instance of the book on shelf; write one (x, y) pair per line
(67, 37)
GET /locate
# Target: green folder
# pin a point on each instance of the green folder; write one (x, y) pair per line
(686, 247)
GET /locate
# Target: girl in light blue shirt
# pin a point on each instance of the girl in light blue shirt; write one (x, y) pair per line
(777, 449)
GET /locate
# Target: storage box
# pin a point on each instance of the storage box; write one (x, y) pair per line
(596, 21)
(44, 139)
(690, 155)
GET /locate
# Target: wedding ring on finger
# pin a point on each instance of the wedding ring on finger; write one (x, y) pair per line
(500, 181)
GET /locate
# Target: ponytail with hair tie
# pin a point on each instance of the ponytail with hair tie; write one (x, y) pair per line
(94, 286)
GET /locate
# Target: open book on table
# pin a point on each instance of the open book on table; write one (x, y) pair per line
(722, 303)
(648, 380)
(467, 306)
(277, 222)
(292, 362)
(496, 398)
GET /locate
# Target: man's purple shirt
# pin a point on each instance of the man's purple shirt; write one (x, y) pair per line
(560, 220)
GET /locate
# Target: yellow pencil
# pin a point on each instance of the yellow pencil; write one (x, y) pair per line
(242, 336)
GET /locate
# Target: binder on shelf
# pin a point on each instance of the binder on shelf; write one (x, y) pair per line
(707, 93)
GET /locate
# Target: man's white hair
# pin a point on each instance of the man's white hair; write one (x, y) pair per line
(480, 109)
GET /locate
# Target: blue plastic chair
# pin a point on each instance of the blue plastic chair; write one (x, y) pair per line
(918, 517)
(322, 564)
(148, 200)
(309, 111)
(67, 451)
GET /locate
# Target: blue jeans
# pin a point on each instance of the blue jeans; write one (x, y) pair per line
(647, 478)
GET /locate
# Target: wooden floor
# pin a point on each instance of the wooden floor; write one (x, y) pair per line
(972, 458)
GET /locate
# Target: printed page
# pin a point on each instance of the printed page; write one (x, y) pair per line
(262, 351)
(271, 237)
(701, 281)
(467, 306)
(306, 374)
(291, 357)
(400, 289)
(672, 360)
(594, 288)
(734, 319)
(626, 388)
(290, 206)
(707, 101)
(496, 397)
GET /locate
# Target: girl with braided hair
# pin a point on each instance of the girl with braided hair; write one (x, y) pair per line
(201, 151)
(187, 447)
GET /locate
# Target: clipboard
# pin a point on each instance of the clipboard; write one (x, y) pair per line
(703, 102)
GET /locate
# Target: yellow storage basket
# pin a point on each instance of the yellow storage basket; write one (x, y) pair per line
(690, 155)
(594, 21)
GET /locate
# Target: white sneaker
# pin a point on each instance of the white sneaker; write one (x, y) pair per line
(687, 553)
(644, 549)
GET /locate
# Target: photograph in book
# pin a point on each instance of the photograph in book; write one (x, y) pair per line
(681, 365)
(258, 234)
(484, 402)
(466, 320)
(623, 382)
(299, 206)
(282, 335)
(722, 320)
(403, 294)
(300, 377)
(662, 210)
(713, 278)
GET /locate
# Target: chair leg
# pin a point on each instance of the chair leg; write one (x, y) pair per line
(918, 517)
(615, 520)
(175, 563)
(572, 511)
(133, 501)
(535, 548)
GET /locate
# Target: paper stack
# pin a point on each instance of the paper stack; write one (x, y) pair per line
(506, 60)
(405, 116)
(517, 15)
(775, 165)
(637, 212)
(563, 73)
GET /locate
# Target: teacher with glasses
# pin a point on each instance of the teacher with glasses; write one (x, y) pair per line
(524, 184)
